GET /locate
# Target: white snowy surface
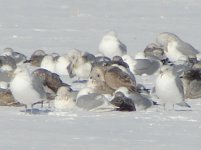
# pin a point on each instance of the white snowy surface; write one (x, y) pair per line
(27, 25)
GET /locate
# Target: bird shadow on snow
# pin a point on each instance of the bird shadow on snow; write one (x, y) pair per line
(183, 110)
(80, 81)
(36, 111)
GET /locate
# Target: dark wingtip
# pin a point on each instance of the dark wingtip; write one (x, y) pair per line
(27, 61)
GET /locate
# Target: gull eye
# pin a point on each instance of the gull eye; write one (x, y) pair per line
(98, 75)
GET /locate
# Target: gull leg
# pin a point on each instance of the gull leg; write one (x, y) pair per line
(25, 109)
(32, 108)
(41, 104)
(49, 104)
(164, 107)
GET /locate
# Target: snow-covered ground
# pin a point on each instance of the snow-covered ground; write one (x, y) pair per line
(27, 25)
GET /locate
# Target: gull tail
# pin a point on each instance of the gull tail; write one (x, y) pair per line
(183, 104)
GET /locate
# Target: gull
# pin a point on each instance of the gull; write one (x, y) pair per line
(65, 99)
(81, 64)
(111, 46)
(192, 83)
(99, 86)
(169, 87)
(27, 89)
(141, 102)
(48, 63)
(175, 48)
(122, 102)
(7, 66)
(36, 58)
(6, 97)
(61, 65)
(142, 66)
(118, 62)
(113, 77)
(7, 63)
(155, 51)
(18, 57)
(88, 99)
(51, 81)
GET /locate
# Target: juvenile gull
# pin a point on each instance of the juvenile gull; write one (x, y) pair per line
(49, 79)
(111, 46)
(113, 77)
(81, 64)
(141, 102)
(7, 65)
(99, 86)
(18, 57)
(27, 89)
(7, 62)
(169, 87)
(122, 102)
(36, 58)
(6, 97)
(118, 62)
(154, 51)
(192, 83)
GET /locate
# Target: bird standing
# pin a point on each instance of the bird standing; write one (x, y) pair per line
(25, 88)
(169, 87)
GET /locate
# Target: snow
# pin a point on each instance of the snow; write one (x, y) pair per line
(62, 25)
(110, 130)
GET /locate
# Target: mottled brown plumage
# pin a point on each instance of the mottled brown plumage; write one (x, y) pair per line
(49, 79)
(113, 77)
(36, 58)
(192, 83)
(7, 99)
(116, 78)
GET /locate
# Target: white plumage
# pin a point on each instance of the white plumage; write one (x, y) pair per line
(169, 87)
(61, 65)
(80, 64)
(65, 99)
(25, 88)
(111, 46)
(175, 48)
(48, 63)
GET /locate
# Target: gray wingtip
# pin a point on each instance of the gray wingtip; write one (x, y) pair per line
(184, 104)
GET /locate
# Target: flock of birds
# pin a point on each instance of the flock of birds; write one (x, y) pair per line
(110, 77)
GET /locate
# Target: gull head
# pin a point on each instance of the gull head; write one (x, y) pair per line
(97, 74)
(165, 69)
(64, 91)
